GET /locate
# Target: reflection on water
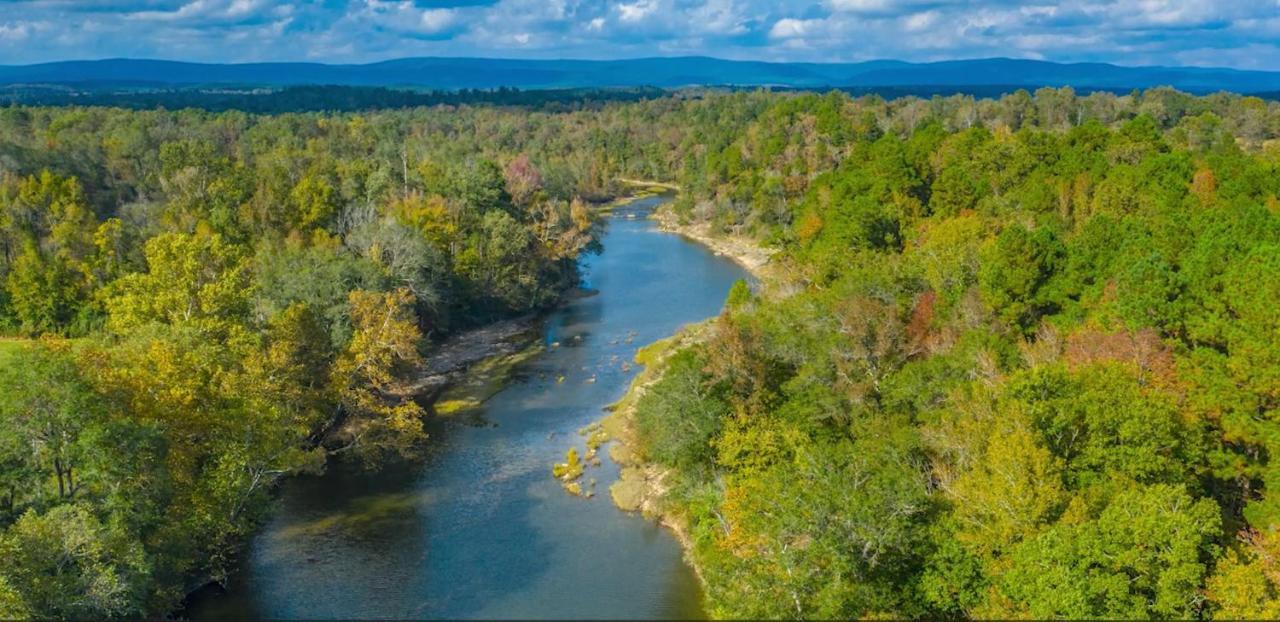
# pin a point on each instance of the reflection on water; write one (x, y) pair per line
(479, 529)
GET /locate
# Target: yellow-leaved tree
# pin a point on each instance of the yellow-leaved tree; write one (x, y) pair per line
(384, 343)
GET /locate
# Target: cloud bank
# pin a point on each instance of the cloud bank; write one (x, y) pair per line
(1231, 33)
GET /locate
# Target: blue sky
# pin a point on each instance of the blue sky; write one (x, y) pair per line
(1230, 33)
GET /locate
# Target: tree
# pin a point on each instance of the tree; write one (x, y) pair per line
(314, 201)
(830, 535)
(522, 180)
(680, 415)
(1144, 556)
(318, 276)
(191, 279)
(1108, 429)
(480, 186)
(66, 564)
(47, 235)
(385, 341)
(1246, 583)
(42, 295)
(47, 408)
(869, 346)
(497, 263)
(1011, 490)
(1016, 265)
(955, 191)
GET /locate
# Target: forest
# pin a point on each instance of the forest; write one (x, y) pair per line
(311, 98)
(201, 304)
(1014, 358)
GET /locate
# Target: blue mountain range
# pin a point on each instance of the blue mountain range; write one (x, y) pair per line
(440, 73)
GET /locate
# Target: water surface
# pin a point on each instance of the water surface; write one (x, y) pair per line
(480, 529)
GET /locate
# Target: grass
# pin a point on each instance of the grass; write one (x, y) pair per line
(9, 348)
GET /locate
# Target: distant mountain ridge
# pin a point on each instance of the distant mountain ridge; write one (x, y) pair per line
(445, 73)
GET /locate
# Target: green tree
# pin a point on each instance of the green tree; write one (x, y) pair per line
(1016, 266)
(679, 416)
(66, 564)
(190, 279)
(1145, 556)
(385, 342)
(47, 408)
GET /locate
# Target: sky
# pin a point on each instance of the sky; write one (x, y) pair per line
(1224, 33)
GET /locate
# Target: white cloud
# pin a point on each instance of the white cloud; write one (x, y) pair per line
(861, 5)
(14, 31)
(1244, 33)
(917, 22)
(789, 28)
(637, 11)
(436, 20)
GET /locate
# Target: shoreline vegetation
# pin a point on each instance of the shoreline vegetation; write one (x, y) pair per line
(641, 485)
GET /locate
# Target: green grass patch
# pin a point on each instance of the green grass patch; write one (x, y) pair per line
(9, 349)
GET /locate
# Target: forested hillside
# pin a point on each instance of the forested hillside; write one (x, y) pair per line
(1017, 359)
(1026, 366)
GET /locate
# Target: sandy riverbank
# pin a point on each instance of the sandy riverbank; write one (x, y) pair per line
(745, 251)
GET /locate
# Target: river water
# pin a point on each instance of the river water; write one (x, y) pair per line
(480, 529)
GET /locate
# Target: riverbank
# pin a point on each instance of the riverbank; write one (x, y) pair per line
(476, 360)
(642, 486)
(649, 182)
(641, 192)
(742, 250)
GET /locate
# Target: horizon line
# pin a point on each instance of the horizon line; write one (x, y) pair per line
(638, 58)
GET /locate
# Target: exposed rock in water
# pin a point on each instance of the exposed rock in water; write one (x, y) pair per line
(570, 469)
(640, 489)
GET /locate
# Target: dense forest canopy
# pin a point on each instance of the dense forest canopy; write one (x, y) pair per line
(310, 98)
(1018, 360)
(1027, 366)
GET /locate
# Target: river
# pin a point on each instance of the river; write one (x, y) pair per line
(479, 528)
